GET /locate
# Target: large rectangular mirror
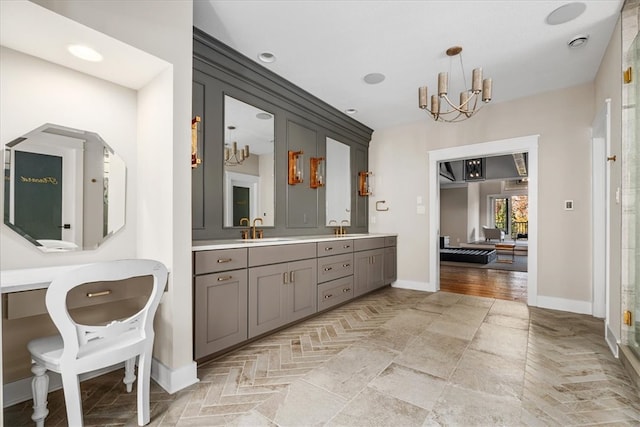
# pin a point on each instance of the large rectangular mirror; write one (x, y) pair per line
(248, 164)
(338, 179)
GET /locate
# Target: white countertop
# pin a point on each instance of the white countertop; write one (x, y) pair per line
(27, 279)
(205, 245)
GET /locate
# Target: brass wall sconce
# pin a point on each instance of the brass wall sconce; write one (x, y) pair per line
(296, 171)
(364, 187)
(195, 160)
(316, 172)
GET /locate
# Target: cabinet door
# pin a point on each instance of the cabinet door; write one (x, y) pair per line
(376, 269)
(220, 318)
(361, 273)
(267, 298)
(390, 269)
(302, 289)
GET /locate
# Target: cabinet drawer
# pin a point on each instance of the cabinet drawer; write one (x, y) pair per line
(282, 253)
(334, 267)
(32, 303)
(334, 247)
(335, 292)
(390, 241)
(368, 243)
(219, 260)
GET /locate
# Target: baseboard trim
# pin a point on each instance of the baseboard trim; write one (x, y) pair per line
(563, 304)
(173, 380)
(170, 380)
(611, 340)
(416, 286)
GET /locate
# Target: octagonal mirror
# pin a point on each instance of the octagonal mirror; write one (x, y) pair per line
(64, 188)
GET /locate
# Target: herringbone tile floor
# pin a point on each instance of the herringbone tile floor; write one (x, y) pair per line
(394, 358)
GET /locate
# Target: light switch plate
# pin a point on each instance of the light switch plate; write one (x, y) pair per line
(421, 210)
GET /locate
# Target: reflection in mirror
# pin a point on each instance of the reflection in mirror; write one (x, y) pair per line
(248, 164)
(338, 178)
(64, 188)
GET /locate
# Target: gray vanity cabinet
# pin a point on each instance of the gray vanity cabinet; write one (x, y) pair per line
(284, 292)
(390, 260)
(220, 300)
(335, 273)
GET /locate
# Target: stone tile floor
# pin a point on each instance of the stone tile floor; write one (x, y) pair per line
(393, 358)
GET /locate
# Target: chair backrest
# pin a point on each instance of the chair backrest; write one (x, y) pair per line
(78, 337)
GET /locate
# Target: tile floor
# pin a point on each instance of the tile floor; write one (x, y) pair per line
(394, 358)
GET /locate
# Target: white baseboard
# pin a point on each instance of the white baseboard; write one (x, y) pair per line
(176, 379)
(170, 380)
(611, 340)
(416, 286)
(562, 304)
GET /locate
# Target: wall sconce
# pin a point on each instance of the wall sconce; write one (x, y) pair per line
(317, 172)
(195, 160)
(364, 187)
(296, 171)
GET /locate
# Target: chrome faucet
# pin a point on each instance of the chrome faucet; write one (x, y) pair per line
(254, 231)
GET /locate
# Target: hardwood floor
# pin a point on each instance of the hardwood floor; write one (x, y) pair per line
(499, 284)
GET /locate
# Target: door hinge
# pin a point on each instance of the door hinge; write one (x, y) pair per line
(626, 318)
(628, 75)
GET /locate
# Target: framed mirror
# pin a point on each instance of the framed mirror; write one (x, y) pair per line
(64, 188)
(338, 179)
(248, 158)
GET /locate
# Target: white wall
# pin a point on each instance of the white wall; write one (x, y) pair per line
(35, 92)
(473, 212)
(453, 214)
(562, 119)
(161, 219)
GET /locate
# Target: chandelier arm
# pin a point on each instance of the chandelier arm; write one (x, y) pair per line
(459, 108)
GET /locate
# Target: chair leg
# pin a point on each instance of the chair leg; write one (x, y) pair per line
(129, 376)
(144, 385)
(72, 398)
(40, 390)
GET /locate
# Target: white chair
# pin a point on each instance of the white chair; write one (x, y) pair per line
(492, 233)
(83, 348)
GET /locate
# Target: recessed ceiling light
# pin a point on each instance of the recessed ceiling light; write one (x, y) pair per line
(374, 78)
(578, 41)
(264, 116)
(350, 111)
(566, 13)
(84, 52)
(267, 57)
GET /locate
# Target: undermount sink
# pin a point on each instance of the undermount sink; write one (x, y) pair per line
(265, 239)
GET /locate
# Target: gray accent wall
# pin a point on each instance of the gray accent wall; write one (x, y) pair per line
(302, 122)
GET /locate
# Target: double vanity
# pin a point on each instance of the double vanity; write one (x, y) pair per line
(244, 289)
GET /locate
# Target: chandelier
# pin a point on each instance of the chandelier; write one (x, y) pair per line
(233, 156)
(468, 97)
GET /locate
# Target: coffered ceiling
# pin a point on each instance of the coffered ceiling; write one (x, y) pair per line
(327, 47)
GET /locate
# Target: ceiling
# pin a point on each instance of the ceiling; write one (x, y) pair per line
(327, 47)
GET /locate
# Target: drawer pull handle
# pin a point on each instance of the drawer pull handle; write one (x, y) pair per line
(223, 260)
(346, 265)
(98, 294)
(328, 268)
(346, 246)
(224, 278)
(346, 289)
(328, 248)
(328, 296)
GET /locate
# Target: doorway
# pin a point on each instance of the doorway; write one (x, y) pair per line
(527, 144)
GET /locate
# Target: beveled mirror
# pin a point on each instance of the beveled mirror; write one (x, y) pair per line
(64, 188)
(248, 164)
(338, 187)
